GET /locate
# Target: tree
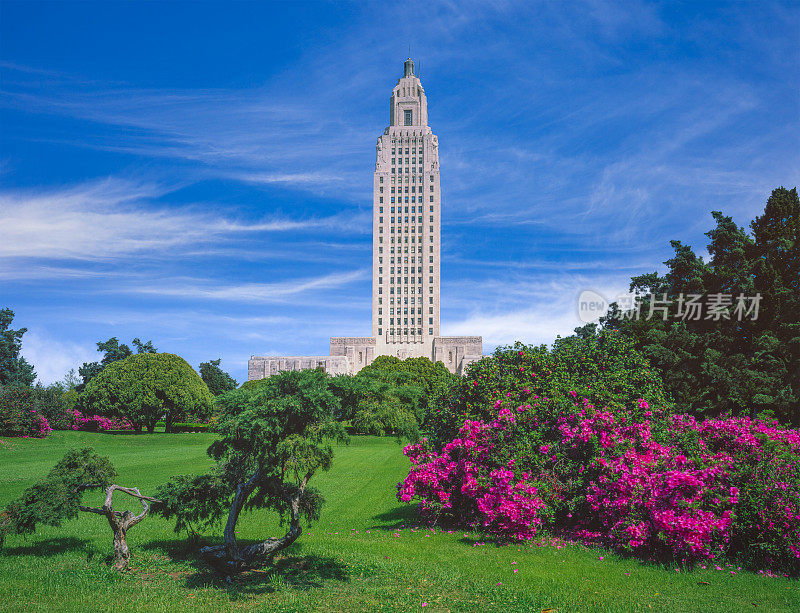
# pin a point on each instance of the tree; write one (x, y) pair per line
(382, 363)
(112, 352)
(392, 396)
(729, 364)
(776, 251)
(70, 380)
(88, 371)
(390, 403)
(14, 369)
(144, 387)
(432, 377)
(144, 347)
(274, 436)
(382, 401)
(217, 380)
(603, 367)
(349, 390)
(26, 374)
(58, 497)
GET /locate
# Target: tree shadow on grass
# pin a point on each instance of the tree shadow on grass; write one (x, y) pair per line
(289, 568)
(50, 547)
(398, 517)
(177, 549)
(296, 572)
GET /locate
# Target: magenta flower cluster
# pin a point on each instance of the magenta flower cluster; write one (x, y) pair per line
(645, 495)
(38, 426)
(461, 479)
(77, 421)
(23, 422)
(640, 479)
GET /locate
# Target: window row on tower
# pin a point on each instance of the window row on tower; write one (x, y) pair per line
(414, 217)
(396, 321)
(406, 332)
(415, 178)
(399, 151)
(413, 190)
(401, 269)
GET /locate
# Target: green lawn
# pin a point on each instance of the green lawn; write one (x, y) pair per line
(350, 561)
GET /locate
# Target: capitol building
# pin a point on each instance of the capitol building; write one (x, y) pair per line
(406, 253)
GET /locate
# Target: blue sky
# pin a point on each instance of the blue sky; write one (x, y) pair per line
(199, 174)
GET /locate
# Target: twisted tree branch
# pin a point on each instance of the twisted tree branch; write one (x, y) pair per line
(120, 522)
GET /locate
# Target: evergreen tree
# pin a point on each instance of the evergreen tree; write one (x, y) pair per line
(217, 380)
(14, 369)
(275, 434)
(733, 363)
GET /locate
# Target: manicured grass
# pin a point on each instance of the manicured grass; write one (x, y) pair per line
(350, 561)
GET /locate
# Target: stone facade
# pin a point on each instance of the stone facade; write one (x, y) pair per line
(260, 367)
(406, 249)
(359, 350)
(457, 352)
(406, 226)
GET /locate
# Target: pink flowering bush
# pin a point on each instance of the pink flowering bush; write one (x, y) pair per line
(643, 494)
(17, 415)
(75, 420)
(764, 459)
(637, 478)
(460, 484)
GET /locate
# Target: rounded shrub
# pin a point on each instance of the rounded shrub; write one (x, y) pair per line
(19, 415)
(628, 473)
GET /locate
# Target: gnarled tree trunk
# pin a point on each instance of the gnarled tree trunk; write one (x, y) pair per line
(228, 558)
(121, 522)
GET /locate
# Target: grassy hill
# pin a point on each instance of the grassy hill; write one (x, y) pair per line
(365, 554)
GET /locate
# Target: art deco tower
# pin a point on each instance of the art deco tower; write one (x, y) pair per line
(406, 225)
(406, 232)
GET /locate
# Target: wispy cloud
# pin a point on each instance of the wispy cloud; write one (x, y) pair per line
(269, 134)
(36, 272)
(302, 178)
(115, 217)
(532, 326)
(254, 292)
(531, 310)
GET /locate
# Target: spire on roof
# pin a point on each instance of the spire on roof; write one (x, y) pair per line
(408, 68)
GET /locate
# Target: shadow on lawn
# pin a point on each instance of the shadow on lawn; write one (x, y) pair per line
(299, 572)
(177, 549)
(50, 547)
(289, 568)
(398, 517)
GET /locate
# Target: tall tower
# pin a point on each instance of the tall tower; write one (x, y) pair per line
(406, 226)
(406, 232)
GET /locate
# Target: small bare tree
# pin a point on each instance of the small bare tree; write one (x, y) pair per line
(121, 522)
(58, 497)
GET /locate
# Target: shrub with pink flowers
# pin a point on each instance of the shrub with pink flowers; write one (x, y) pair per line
(75, 420)
(637, 478)
(462, 485)
(18, 415)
